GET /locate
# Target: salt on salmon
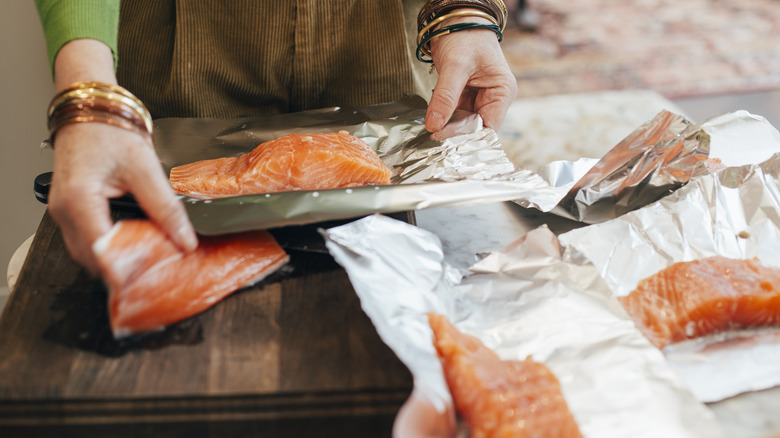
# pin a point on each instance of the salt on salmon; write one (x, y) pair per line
(291, 162)
(498, 398)
(701, 297)
(152, 283)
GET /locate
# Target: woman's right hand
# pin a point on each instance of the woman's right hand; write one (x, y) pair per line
(94, 162)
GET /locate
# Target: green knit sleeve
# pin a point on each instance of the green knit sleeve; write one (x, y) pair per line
(66, 20)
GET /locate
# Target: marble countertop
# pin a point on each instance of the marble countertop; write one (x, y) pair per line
(541, 130)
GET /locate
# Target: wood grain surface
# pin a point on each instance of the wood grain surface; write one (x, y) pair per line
(291, 356)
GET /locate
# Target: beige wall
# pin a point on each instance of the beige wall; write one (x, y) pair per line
(25, 90)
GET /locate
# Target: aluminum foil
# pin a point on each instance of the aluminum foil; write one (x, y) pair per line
(530, 299)
(733, 213)
(557, 303)
(657, 158)
(464, 163)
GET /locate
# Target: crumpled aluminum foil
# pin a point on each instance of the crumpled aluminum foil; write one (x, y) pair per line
(558, 304)
(733, 213)
(464, 163)
(659, 157)
(526, 300)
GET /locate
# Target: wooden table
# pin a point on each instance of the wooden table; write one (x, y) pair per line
(294, 356)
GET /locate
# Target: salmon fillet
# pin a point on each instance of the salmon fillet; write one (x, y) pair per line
(500, 399)
(152, 283)
(292, 162)
(701, 297)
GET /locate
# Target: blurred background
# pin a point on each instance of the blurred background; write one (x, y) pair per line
(25, 90)
(589, 72)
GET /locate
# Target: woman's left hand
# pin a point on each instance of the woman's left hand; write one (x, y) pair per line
(473, 76)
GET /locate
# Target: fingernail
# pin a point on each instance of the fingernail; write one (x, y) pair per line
(186, 236)
(434, 122)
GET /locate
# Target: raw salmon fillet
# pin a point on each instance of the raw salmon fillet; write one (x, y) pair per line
(292, 162)
(701, 297)
(153, 284)
(500, 399)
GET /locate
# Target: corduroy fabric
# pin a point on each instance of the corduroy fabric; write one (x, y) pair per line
(211, 58)
(67, 20)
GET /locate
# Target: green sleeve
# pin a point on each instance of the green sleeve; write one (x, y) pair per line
(66, 20)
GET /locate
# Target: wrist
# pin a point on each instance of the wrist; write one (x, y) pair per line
(455, 20)
(83, 60)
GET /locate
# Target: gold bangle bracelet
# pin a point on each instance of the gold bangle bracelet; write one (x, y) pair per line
(99, 94)
(98, 102)
(102, 85)
(84, 93)
(102, 118)
(95, 105)
(108, 92)
(90, 116)
(431, 9)
(502, 5)
(455, 14)
(427, 48)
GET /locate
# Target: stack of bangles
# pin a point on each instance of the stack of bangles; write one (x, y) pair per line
(98, 102)
(435, 12)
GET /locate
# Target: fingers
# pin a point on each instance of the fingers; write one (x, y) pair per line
(82, 214)
(94, 162)
(155, 196)
(493, 101)
(445, 98)
(473, 76)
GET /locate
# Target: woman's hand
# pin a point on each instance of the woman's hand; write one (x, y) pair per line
(94, 162)
(473, 76)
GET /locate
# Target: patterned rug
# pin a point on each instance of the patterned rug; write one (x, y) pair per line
(678, 48)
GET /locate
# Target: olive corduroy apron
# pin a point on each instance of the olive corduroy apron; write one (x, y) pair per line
(230, 58)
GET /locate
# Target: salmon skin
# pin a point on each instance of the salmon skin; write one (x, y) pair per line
(291, 162)
(701, 297)
(497, 398)
(152, 283)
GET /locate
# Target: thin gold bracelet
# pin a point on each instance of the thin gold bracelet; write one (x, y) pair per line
(433, 8)
(455, 14)
(426, 49)
(502, 5)
(105, 86)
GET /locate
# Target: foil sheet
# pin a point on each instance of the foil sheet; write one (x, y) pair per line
(464, 163)
(734, 213)
(555, 299)
(659, 157)
(530, 300)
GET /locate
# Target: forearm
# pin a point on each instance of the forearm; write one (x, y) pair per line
(83, 60)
